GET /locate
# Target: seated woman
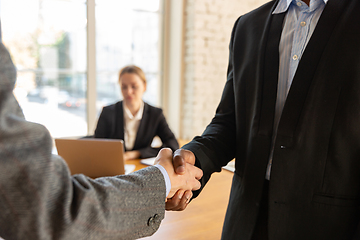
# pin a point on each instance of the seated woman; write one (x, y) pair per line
(133, 120)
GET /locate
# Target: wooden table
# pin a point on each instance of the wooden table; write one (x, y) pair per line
(204, 216)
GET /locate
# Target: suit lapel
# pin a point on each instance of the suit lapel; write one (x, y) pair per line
(271, 70)
(119, 121)
(142, 127)
(308, 66)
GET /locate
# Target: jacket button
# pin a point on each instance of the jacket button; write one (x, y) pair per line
(157, 218)
(154, 219)
(282, 147)
(150, 221)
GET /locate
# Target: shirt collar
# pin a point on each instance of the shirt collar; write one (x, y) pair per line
(137, 116)
(283, 6)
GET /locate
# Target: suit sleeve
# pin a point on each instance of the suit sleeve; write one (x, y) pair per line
(216, 146)
(39, 199)
(166, 135)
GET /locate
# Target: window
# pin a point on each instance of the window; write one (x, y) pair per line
(127, 32)
(48, 43)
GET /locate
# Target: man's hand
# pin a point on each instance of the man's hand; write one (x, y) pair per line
(182, 158)
(179, 201)
(187, 181)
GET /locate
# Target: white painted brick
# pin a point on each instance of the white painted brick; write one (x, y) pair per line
(208, 25)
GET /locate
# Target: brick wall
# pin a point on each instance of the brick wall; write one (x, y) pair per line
(208, 25)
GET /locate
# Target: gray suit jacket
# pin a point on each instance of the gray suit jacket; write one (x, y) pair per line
(40, 200)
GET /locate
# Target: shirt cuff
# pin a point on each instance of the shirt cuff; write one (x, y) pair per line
(166, 177)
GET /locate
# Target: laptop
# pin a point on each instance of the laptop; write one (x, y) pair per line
(93, 157)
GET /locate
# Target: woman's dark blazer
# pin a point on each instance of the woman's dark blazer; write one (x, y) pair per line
(153, 123)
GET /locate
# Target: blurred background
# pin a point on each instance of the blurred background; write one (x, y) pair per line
(68, 54)
(48, 43)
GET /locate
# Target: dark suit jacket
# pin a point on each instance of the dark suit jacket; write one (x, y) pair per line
(153, 123)
(314, 190)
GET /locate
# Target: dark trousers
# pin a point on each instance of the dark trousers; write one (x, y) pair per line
(261, 227)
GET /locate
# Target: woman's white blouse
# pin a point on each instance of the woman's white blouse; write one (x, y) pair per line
(131, 125)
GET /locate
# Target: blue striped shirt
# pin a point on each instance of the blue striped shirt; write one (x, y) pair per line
(299, 24)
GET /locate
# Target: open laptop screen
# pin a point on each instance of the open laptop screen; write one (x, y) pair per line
(92, 157)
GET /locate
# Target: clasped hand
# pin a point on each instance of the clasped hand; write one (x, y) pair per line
(184, 176)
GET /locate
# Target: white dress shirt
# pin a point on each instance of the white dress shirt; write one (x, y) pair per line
(131, 125)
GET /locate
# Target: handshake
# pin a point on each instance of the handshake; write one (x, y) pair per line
(184, 176)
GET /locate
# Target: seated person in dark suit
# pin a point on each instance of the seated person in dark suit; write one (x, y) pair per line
(133, 120)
